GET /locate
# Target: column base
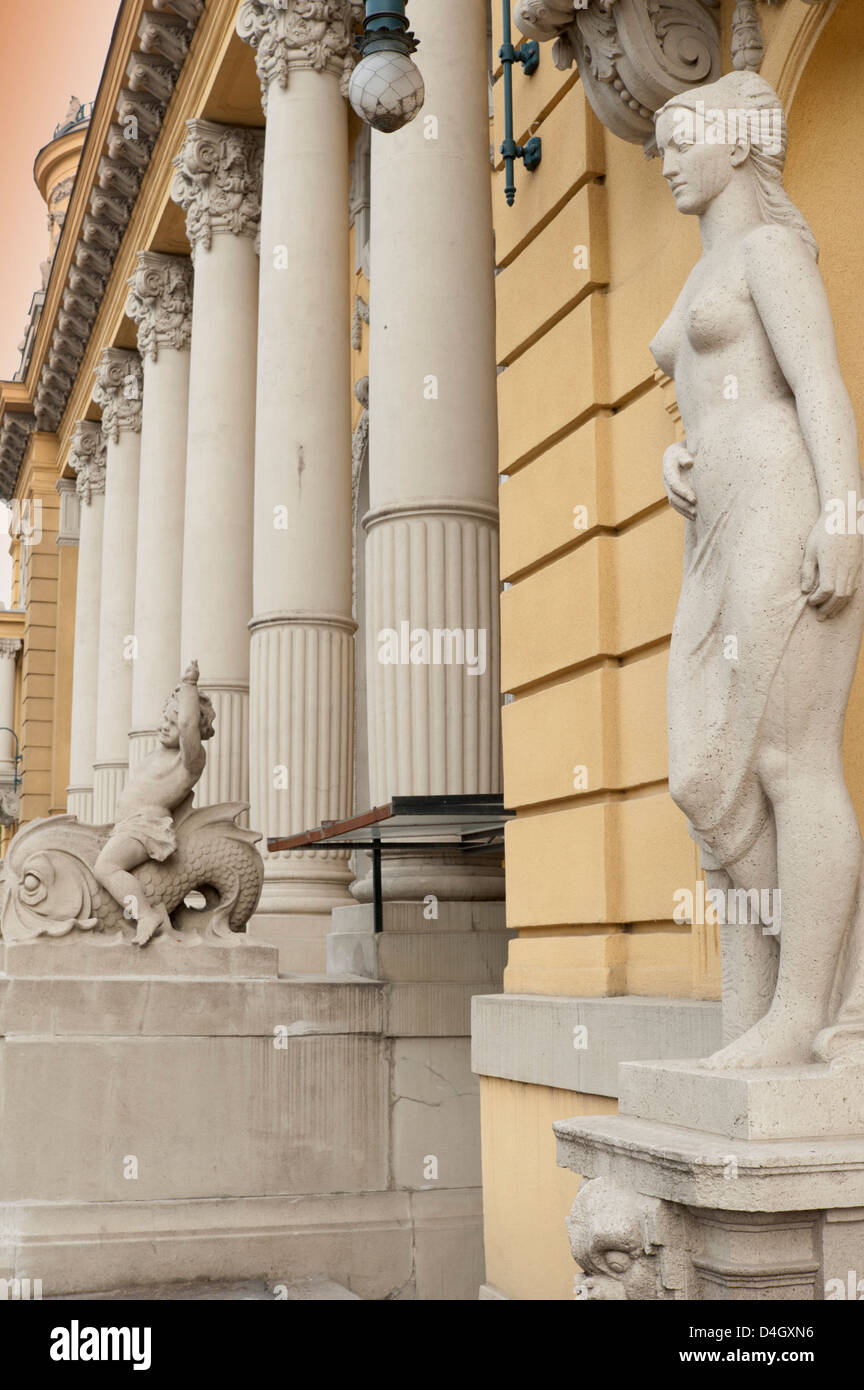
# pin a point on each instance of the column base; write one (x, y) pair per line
(79, 802)
(294, 915)
(109, 779)
(448, 877)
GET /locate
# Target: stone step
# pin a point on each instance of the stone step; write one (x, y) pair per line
(316, 1289)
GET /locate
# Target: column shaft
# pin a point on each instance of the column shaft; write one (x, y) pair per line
(301, 677)
(431, 551)
(118, 390)
(160, 302)
(218, 183)
(87, 458)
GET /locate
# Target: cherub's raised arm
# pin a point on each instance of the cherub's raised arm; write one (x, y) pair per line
(189, 718)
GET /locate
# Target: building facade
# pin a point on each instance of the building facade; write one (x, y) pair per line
(257, 422)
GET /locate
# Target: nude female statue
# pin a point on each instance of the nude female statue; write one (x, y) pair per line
(769, 622)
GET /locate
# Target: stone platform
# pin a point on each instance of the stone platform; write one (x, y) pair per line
(187, 1114)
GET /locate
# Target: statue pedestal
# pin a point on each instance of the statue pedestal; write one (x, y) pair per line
(749, 1185)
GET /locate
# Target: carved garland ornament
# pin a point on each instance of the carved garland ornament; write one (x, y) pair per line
(307, 33)
(160, 302)
(218, 181)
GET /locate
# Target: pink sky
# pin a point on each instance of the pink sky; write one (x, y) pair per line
(50, 50)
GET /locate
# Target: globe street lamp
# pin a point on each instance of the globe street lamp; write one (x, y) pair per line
(386, 88)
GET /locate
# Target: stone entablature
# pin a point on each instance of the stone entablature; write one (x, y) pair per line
(218, 181)
(150, 77)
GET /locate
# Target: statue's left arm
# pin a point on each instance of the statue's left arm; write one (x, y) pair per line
(189, 719)
(790, 297)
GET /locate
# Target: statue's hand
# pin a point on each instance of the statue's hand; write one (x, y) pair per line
(677, 460)
(190, 675)
(831, 571)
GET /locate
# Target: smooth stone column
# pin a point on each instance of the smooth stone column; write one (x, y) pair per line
(432, 526)
(87, 460)
(302, 654)
(218, 183)
(119, 380)
(160, 302)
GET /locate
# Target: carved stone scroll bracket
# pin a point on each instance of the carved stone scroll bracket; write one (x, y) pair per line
(633, 55)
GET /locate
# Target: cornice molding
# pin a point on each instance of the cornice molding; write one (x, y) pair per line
(15, 431)
(316, 34)
(160, 302)
(218, 181)
(139, 101)
(87, 453)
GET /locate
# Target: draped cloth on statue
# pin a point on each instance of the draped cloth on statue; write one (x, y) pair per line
(740, 602)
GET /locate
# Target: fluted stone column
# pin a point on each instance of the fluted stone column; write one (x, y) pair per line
(118, 389)
(431, 548)
(301, 678)
(9, 801)
(160, 302)
(218, 183)
(87, 460)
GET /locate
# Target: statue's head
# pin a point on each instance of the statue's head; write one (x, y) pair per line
(168, 732)
(731, 129)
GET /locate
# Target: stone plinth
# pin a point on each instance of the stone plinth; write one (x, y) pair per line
(762, 1103)
(184, 1113)
(721, 1217)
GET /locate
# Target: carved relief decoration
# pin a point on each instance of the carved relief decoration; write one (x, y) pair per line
(633, 55)
(304, 33)
(218, 181)
(118, 389)
(87, 459)
(160, 302)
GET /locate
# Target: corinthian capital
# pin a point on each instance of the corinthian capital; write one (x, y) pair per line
(10, 646)
(218, 181)
(87, 459)
(160, 302)
(119, 381)
(300, 33)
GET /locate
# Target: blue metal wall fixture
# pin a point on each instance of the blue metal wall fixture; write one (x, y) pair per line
(528, 54)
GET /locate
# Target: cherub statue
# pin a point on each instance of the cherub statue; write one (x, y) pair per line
(157, 795)
(64, 878)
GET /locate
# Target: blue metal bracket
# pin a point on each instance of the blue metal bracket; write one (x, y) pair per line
(531, 153)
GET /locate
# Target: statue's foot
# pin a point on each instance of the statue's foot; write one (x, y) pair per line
(151, 921)
(772, 1042)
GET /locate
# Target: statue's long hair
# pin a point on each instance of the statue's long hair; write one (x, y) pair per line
(747, 91)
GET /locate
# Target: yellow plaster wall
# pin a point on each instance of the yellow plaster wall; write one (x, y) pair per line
(586, 616)
(590, 260)
(526, 1198)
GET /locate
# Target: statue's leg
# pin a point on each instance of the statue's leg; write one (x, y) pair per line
(819, 850)
(749, 950)
(119, 855)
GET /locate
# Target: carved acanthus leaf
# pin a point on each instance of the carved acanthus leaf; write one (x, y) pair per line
(87, 459)
(303, 33)
(160, 302)
(218, 181)
(118, 389)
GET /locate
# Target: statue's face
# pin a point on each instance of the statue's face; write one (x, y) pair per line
(695, 170)
(169, 730)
